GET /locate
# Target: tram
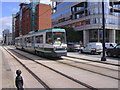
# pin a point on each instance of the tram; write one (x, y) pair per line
(48, 42)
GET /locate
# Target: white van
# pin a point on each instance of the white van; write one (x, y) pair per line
(110, 45)
(95, 47)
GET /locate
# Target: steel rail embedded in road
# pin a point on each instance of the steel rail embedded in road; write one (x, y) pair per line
(94, 61)
(35, 76)
(69, 77)
(89, 70)
(91, 64)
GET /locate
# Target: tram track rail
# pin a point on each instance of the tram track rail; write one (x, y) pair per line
(94, 61)
(91, 64)
(34, 75)
(89, 70)
(47, 87)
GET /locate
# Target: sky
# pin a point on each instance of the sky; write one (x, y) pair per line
(7, 8)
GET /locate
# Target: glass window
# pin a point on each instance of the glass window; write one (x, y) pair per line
(49, 37)
(92, 3)
(88, 11)
(97, 2)
(96, 10)
(106, 3)
(63, 5)
(79, 8)
(97, 20)
(100, 11)
(59, 37)
(61, 13)
(116, 14)
(118, 46)
(93, 11)
(100, 20)
(112, 21)
(39, 39)
(73, 9)
(106, 10)
(78, 16)
(28, 40)
(93, 21)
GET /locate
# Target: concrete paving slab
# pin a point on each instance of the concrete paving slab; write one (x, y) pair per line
(76, 54)
(7, 76)
(29, 80)
(1, 69)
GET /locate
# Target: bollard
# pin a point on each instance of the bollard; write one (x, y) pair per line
(19, 80)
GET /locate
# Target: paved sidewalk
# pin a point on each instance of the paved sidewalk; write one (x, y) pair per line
(7, 78)
(0, 69)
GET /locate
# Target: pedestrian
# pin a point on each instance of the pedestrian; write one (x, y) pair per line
(81, 44)
(19, 80)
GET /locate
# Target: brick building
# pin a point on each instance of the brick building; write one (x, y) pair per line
(26, 27)
(43, 17)
(17, 22)
(32, 17)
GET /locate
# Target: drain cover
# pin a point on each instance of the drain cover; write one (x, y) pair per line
(8, 70)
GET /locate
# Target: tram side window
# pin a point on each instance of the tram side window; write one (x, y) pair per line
(49, 37)
(25, 40)
(28, 40)
(39, 39)
(20, 41)
(16, 42)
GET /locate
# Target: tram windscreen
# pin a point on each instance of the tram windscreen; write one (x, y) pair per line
(59, 38)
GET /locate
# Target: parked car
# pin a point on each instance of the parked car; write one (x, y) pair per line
(114, 51)
(73, 47)
(110, 45)
(93, 48)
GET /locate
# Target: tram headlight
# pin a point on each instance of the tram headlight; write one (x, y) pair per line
(64, 47)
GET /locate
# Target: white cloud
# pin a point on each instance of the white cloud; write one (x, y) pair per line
(46, 1)
(14, 10)
(6, 23)
(41, 1)
(0, 36)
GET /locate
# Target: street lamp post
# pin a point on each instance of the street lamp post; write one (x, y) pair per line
(103, 58)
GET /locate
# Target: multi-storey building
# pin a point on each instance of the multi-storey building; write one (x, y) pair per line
(44, 14)
(32, 17)
(7, 37)
(13, 28)
(86, 17)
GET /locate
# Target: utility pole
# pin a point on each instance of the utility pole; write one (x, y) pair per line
(103, 58)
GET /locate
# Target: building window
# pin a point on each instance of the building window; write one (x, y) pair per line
(73, 9)
(63, 5)
(78, 16)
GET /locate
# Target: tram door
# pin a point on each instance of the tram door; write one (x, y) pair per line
(33, 42)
